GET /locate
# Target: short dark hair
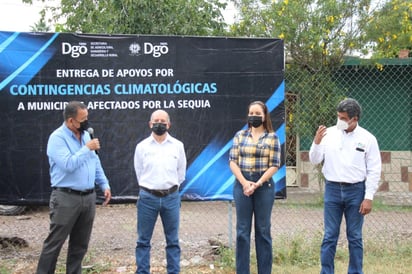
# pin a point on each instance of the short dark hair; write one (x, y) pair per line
(71, 109)
(351, 107)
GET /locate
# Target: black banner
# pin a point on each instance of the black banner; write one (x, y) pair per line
(205, 84)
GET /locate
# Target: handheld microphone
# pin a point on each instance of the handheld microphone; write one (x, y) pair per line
(90, 130)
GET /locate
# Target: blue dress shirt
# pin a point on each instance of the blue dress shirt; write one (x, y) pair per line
(72, 163)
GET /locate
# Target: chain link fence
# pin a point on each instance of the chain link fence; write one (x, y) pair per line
(385, 93)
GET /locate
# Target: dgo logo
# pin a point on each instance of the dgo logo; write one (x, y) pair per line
(156, 50)
(74, 51)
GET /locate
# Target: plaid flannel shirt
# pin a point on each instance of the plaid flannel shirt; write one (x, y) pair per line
(255, 157)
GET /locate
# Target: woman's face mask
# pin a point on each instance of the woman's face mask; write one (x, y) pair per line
(255, 121)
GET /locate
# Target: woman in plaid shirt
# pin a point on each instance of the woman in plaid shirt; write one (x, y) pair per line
(254, 158)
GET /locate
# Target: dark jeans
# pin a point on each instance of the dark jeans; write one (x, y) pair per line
(259, 205)
(70, 214)
(343, 200)
(149, 207)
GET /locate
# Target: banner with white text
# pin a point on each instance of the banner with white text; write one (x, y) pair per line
(204, 83)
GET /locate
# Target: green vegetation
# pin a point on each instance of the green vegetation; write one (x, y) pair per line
(300, 254)
(91, 264)
(380, 205)
(173, 17)
(4, 269)
(292, 254)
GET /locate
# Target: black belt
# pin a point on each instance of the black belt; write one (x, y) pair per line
(78, 192)
(345, 183)
(160, 192)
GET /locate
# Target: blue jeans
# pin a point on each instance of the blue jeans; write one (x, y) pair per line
(259, 205)
(342, 200)
(148, 208)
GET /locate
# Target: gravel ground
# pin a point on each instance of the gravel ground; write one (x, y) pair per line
(203, 224)
(114, 235)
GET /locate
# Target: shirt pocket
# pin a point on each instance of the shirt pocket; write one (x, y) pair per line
(169, 161)
(359, 155)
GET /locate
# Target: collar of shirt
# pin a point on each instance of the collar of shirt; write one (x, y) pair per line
(249, 133)
(70, 133)
(153, 140)
(353, 132)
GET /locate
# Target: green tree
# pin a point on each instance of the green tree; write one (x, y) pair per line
(316, 33)
(41, 25)
(172, 17)
(389, 29)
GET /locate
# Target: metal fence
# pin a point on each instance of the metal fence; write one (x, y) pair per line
(385, 93)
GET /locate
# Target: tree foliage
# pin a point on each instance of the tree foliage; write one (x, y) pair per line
(389, 29)
(317, 33)
(41, 25)
(172, 17)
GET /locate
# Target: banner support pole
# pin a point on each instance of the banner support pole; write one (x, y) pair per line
(230, 213)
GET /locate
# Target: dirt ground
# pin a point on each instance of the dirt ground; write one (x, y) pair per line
(204, 225)
(114, 236)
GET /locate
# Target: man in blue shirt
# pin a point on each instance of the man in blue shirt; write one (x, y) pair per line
(75, 168)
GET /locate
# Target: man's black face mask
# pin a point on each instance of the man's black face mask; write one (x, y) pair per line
(159, 128)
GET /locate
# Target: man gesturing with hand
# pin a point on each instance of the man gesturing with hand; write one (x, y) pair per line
(351, 166)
